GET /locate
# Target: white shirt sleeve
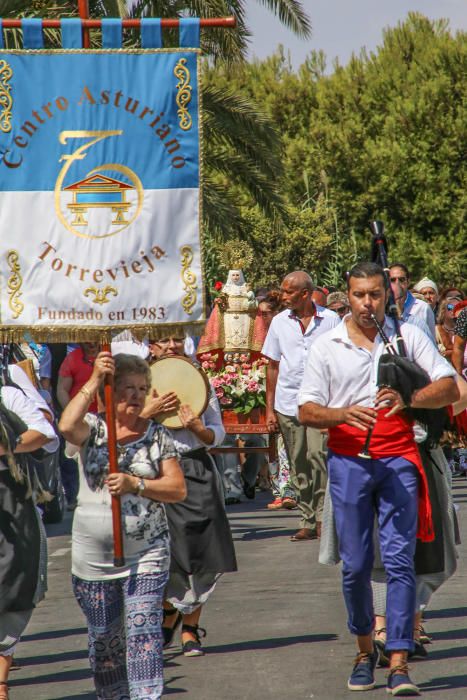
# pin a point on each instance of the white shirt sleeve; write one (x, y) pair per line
(426, 354)
(212, 418)
(16, 401)
(271, 347)
(316, 380)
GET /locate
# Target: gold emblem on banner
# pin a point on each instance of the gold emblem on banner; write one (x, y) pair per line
(100, 294)
(15, 282)
(6, 101)
(188, 279)
(97, 206)
(183, 98)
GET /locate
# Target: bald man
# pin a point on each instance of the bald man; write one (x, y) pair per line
(287, 343)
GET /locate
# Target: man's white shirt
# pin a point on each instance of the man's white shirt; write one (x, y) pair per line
(417, 308)
(339, 373)
(287, 344)
(28, 411)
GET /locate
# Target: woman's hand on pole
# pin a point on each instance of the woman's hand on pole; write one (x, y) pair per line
(120, 483)
(104, 364)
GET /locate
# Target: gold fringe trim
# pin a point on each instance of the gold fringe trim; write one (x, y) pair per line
(102, 334)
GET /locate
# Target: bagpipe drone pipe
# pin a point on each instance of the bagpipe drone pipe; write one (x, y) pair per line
(395, 369)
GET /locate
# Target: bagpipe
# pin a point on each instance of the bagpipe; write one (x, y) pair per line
(395, 369)
(29, 469)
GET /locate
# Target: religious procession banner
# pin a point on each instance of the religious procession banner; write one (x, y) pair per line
(99, 193)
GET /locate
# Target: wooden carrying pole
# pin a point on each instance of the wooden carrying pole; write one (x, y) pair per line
(119, 557)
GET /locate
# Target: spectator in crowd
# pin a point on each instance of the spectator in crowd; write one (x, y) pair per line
(41, 358)
(287, 343)
(74, 372)
(429, 290)
(410, 306)
(319, 296)
(122, 604)
(459, 354)
(445, 328)
(339, 303)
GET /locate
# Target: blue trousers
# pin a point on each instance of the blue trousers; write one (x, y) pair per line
(359, 489)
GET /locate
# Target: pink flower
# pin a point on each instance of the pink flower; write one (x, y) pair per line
(229, 368)
(205, 364)
(205, 356)
(244, 358)
(216, 382)
(219, 393)
(253, 386)
(245, 365)
(212, 365)
(225, 401)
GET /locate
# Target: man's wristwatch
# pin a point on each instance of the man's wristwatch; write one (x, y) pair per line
(140, 487)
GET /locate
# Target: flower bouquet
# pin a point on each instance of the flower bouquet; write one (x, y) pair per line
(240, 385)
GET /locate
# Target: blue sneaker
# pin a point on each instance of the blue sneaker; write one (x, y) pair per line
(363, 673)
(399, 683)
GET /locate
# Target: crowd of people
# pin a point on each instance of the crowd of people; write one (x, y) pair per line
(355, 459)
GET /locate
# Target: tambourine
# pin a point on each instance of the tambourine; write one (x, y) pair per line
(190, 383)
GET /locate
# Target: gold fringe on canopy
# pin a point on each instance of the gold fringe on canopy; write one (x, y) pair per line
(101, 334)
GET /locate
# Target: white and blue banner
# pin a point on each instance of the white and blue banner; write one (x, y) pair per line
(99, 190)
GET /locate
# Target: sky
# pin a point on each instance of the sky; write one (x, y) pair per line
(340, 27)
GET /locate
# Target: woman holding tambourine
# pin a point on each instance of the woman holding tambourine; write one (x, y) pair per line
(201, 542)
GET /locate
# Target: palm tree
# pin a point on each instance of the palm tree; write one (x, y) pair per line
(241, 146)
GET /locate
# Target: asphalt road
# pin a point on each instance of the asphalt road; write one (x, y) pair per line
(276, 629)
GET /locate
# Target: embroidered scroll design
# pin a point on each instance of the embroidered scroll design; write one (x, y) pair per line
(15, 282)
(183, 98)
(6, 101)
(188, 279)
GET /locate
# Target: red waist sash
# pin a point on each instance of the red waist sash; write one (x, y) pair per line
(392, 437)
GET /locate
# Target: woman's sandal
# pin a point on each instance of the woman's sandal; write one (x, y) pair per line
(167, 632)
(380, 644)
(193, 648)
(4, 690)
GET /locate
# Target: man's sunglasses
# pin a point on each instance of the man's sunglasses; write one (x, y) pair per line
(399, 279)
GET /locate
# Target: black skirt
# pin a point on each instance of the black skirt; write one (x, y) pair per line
(19, 546)
(201, 541)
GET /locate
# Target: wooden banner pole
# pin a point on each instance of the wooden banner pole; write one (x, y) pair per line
(83, 9)
(119, 557)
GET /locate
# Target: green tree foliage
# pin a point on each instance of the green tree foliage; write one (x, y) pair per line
(389, 131)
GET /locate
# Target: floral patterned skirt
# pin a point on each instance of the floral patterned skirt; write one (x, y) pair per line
(124, 618)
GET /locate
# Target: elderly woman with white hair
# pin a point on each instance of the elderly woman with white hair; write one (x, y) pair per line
(122, 604)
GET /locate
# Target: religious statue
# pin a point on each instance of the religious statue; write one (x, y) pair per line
(233, 326)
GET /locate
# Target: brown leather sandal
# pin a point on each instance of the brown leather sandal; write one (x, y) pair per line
(4, 690)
